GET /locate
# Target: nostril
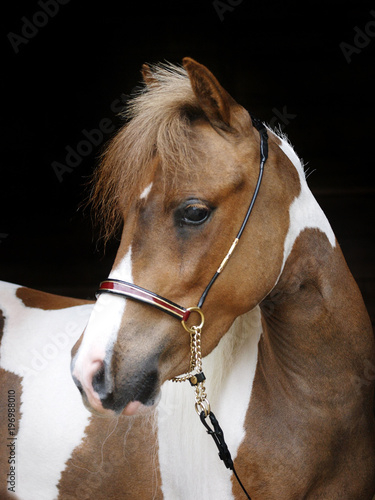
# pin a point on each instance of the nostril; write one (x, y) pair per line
(93, 380)
(99, 381)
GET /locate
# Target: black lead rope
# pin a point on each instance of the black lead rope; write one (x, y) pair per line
(224, 453)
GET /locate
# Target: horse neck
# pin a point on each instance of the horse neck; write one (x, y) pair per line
(316, 327)
(316, 308)
(234, 359)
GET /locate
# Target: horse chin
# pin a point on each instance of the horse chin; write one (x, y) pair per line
(138, 408)
(131, 409)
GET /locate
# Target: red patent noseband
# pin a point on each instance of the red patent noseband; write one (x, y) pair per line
(131, 291)
(135, 292)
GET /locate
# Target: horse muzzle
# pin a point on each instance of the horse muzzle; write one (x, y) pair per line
(108, 392)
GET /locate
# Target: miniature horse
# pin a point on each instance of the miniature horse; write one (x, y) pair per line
(287, 344)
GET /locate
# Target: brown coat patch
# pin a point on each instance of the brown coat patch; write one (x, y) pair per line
(47, 301)
(118, 459)
(310, 428)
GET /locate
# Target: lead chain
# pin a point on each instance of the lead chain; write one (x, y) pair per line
(195, 355)
(195, 375)
(195, 347)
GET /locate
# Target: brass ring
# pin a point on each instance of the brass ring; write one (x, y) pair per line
(189, 329)
(204, 406)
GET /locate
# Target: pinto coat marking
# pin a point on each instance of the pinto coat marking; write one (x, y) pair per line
(144, 457)
(286, 334)
(186, 130)
(34, 361)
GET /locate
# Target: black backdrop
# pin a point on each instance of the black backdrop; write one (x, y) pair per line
(67, 66)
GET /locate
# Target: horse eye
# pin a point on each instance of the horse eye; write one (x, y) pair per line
(195, 214)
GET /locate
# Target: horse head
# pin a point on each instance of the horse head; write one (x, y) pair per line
(179, 177)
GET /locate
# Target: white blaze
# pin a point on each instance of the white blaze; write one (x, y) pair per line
(105, 320)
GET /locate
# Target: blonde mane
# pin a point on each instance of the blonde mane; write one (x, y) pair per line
(159, 118)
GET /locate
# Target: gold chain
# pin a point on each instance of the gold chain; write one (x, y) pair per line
(195, 355)
(201, 401)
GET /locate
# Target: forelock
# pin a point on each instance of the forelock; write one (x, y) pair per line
(158, 123)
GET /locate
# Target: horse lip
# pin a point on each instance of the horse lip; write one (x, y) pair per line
(136, 407)
(131, 408)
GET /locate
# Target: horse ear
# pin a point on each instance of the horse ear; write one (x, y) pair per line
(148, 76)
(215, 101)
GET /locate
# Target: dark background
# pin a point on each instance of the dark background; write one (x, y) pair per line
(281, 61)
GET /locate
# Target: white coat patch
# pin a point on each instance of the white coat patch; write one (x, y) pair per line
(304, 212)
(36, 345)
(189, 462)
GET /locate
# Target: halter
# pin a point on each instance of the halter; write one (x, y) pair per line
(135, 292)
(196, 375)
